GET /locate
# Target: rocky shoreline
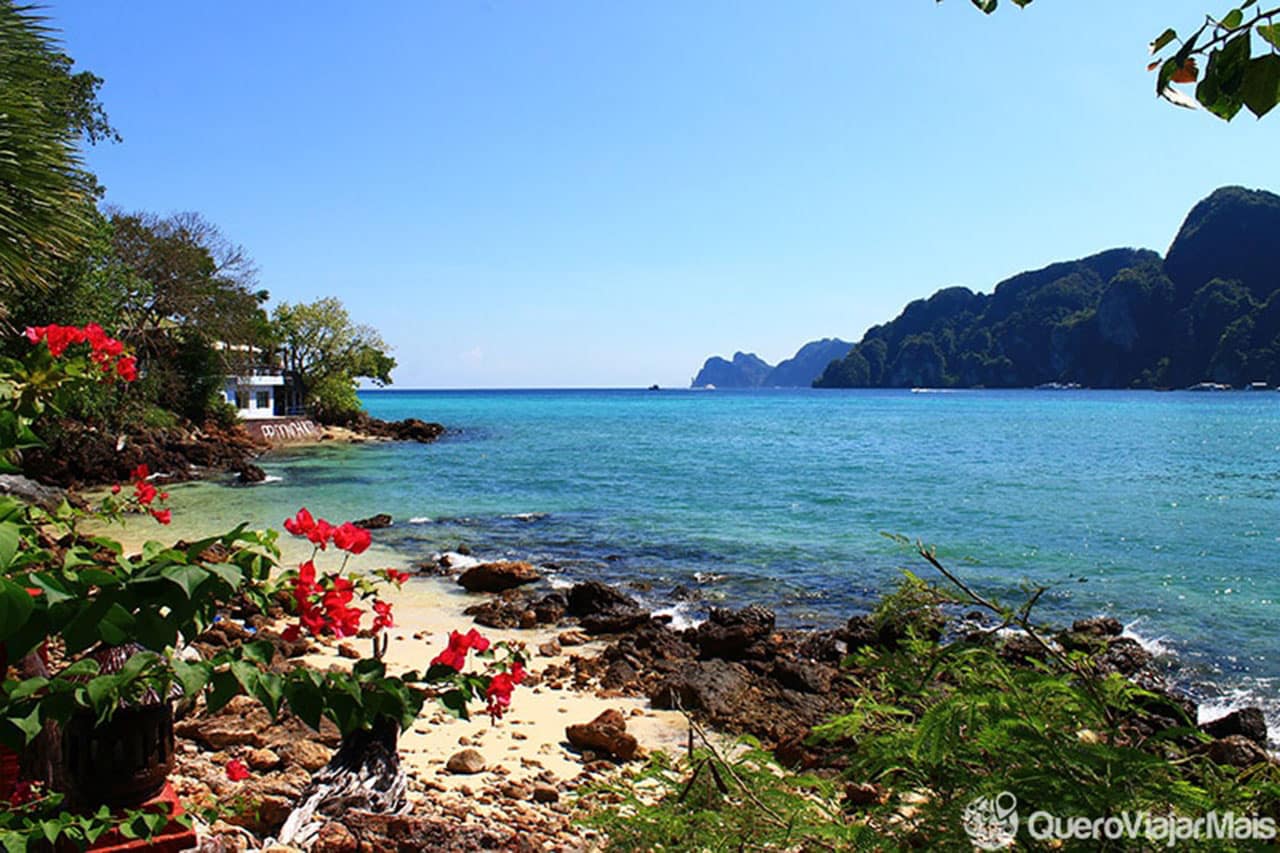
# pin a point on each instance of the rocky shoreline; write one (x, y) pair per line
(81, 456)
(740, 674)
(604, 667)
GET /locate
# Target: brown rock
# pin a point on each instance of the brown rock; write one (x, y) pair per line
(549, 649)
(241, 722)
(466, 761)
(346, 650)
(262, 759)
(1248, 722)
(307, 754)
(1236, 751)
(864, 794)
(498, 576)
(572, 638)
(335, 838)
(607, 733)
(374, 522)
(544, 793)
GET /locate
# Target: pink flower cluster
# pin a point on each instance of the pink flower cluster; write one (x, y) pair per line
(104, 350)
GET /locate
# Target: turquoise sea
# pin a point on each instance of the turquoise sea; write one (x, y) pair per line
(1162, 509)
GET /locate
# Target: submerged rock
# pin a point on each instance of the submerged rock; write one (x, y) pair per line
(374, 522)
(250, 473)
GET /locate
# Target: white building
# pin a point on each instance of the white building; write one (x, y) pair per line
(254, 395)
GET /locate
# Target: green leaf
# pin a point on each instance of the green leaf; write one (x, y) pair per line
(246, 674)
(188, 578)
(117, 626)
(192, 676)
(1233, 19)
(305, 700)
(270, 692)
(259, 651)
(1261, 87)
(9, 538)
(225, 688)
(1163, 40)
(15, 608)
(1270, 33)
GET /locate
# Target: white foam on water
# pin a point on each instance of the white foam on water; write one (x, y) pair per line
(681, 616)
(273, 478)
(420, 519)
(454, 560)
(1157, 646)
(527, 516)
(708, 577)
(559, 582)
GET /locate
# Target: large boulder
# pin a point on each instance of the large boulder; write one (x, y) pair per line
(593, 597)
(498, 576)
(614, 621)
(1246, 722)
(605, 734)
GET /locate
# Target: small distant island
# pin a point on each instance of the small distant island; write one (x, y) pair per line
(748, 370)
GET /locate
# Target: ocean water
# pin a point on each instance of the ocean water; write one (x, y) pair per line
(1162, 509)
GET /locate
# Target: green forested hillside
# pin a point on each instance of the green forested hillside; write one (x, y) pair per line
(1124, 318)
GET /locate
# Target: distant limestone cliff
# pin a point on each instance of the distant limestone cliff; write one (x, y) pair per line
(747, 370)
(1125, 318)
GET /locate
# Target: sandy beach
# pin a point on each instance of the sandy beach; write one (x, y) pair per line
(528, 746)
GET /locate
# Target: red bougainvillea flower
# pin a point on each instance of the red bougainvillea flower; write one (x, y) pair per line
(500, 688)
(105, 351)
(350, 538)
(115, 490)
(320, 534)
(127, 368)
(291, 634)
(300, 524)
(237, 771)
(382, 616)
(396, 577)
(142, 472)
(477, 641)
(164, 516)
(455, 655)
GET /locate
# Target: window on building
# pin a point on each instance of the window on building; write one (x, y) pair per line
(264, 399)
(242, 400)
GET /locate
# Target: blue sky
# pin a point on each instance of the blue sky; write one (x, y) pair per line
(582, 193)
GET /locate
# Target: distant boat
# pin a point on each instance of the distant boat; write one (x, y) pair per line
(1257, 386)
(1209, 386)
(1059, 386)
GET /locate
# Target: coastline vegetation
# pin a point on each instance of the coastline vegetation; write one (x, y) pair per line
(939, 724)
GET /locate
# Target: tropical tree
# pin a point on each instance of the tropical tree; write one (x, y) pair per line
(1240, 52)
(46, 194)
(327, 354)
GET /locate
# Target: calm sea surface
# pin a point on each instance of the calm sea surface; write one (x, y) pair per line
(1161, 509)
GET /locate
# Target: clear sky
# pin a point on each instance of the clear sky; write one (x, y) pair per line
(545, 193)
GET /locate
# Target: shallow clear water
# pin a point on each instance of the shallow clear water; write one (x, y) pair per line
(1162, 509)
